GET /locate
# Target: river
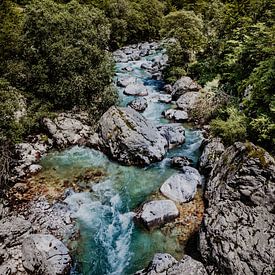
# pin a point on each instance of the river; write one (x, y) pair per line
(109, 241)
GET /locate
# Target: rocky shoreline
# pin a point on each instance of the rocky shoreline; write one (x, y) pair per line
(237, 232)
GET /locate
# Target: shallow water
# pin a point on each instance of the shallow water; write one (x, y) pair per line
(110, 242)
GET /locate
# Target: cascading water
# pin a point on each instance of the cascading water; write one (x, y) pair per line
(109, 242)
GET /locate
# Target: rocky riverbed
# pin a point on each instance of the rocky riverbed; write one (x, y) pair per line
(125, 194)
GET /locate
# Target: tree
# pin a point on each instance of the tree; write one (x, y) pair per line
(65, 51)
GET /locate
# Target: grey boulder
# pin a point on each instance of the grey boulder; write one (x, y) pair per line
(174, 133)
(68, 129)
(45, 255)
(139, 104)
(188, 101)
(165, 264)
(184, 85)
(136, 89)
(180, 161)
(176, 115)
(128, 137)
(165, 98)
(182, 187)
(156, 213)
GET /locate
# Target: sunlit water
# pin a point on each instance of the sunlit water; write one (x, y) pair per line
(110, 242)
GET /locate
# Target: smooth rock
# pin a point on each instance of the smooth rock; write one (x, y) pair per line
(184, 85)
(136, 89)
(157, 213)
(128, 137)
(180, 188)
(139, 104)
(45, 255)
(174, 133)
(176, 115)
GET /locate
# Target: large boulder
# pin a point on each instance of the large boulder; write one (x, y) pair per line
(188, 101)
(136, 89)
(174, 133)
(182, 187)
(165, 264)
(139, 104)
(156, 213)
(45, 255)
(128, 137)
(238, 233)
(211, 152)
(68, 129)
(184, 85)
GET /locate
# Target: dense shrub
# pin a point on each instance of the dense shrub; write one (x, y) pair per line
(231, 129)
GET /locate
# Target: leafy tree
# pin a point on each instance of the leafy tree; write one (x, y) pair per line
(187, 28)
(65, 51)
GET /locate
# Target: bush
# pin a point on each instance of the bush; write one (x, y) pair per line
(232, 129)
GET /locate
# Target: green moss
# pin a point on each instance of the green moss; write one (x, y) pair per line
(256, 152)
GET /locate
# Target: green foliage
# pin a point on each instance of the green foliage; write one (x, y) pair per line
(11, 22)
(131, 21)
(65, 54)
(10, 127)
(262, 130)
(231, 129)
(187, 28)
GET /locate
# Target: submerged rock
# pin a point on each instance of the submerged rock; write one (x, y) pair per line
(238, 236)
(45, 255)
(174, 133)
(165, 264)
(139, 104)
(176, 115)
(128, 137)
(157, 213)
(184, 85)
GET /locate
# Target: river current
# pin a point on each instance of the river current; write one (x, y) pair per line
(109, 241)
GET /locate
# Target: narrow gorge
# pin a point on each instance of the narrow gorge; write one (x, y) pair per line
(146, 192)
